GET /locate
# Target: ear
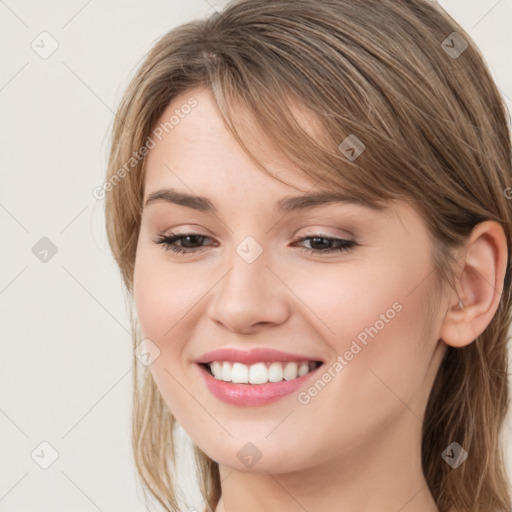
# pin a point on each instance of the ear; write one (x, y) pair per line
(479, 285)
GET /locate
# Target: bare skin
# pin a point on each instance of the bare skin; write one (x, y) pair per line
(355, 445)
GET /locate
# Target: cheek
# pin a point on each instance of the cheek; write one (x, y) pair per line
(164, 299)
(386, 344)
(375, 319)
(163, 295)
(343, 301)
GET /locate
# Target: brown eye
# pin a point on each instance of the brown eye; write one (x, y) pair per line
(319, 244)
(191, 242)
(187, 240)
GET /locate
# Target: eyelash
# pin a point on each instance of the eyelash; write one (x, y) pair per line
(168, 240)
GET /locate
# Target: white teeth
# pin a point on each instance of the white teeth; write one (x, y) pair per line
(275, 372)
(259, 373)
(216, 369)
(303, 369)
(290, 371)
(239, 373)
(226, 371)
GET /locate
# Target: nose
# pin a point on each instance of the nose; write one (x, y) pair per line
(249, 297)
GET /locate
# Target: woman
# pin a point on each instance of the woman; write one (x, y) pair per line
(309, 205)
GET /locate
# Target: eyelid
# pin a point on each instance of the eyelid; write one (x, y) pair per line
(310, 230)
(168, 242)
(321, 229)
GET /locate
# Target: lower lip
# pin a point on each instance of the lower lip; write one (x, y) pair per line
(253, 394)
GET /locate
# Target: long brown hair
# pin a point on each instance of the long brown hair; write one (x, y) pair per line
(405, 79)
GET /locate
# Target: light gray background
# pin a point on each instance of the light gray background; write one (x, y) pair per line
(65, 374)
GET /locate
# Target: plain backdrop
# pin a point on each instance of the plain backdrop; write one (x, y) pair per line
(65, 363)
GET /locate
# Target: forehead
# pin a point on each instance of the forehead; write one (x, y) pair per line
(198, 144)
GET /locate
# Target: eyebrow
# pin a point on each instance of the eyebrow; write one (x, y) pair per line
(285, 205)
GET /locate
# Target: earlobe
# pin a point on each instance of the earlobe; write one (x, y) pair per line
(479, 285)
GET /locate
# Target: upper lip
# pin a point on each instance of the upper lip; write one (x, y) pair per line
(254, 355)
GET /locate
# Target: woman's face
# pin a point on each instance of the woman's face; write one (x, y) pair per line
(251, 281)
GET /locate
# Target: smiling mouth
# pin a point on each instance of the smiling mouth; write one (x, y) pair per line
(259, 373)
